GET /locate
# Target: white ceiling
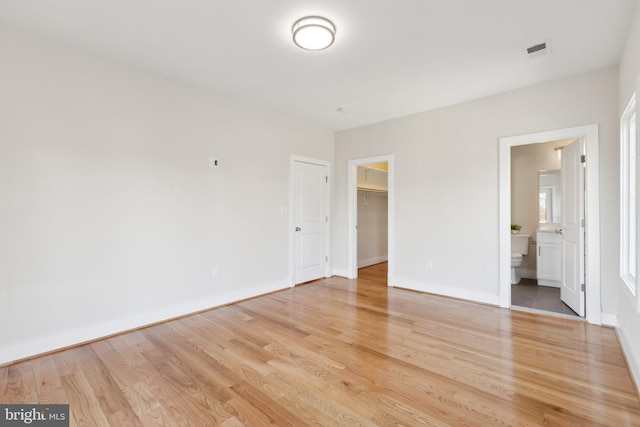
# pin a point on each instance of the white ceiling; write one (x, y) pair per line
(391, 57)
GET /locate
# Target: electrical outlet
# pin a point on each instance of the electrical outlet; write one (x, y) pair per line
(215, 273)
(429, 264)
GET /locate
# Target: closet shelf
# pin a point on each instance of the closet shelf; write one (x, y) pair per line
(372, 190)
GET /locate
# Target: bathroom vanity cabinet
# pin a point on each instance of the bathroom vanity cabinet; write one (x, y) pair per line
(549, 258)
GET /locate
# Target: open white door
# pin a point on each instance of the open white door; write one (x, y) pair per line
(572, 177)
(310, 217)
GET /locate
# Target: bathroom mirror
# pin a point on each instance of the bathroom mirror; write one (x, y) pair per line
(550, 196)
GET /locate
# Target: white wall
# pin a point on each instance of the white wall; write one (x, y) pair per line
(628, 315)
(110, 216)
(526, 162)
(373, 222)
(446, 180)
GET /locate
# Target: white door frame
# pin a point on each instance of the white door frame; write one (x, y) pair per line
(327, 230)
(592, 212)
(352, 198)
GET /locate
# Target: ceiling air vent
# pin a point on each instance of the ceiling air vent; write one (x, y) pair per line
(538, 49)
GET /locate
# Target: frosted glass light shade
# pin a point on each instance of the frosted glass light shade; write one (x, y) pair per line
(313, 33)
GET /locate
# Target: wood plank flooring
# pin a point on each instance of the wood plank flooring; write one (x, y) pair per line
(340, 352)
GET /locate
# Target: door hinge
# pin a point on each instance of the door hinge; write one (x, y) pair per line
(326, 179)
(326, 219)
(582, 222)
(582, 287)
(326, 258)
(583, 159)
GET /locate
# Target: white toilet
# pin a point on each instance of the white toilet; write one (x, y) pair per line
(519, 248)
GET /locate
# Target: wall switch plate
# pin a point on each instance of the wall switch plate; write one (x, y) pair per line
(213, 162)
(215, 273)
(429, 264)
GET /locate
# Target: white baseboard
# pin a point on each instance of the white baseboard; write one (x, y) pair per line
(549, 283)
(372, 261)
(633, 359)
(533, 275)
(345, 273)
(27, 349)
(528, 274)
(609, 320)
(448, 291)
(340, 272)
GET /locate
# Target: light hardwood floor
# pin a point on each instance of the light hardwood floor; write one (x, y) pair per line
(341, 352)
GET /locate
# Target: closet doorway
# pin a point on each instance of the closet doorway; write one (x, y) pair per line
(370, 214)
(372, 218)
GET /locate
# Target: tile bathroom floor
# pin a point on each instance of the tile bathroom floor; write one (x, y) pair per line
(528, 294)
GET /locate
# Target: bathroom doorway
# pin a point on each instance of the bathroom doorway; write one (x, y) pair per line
(536, 215)
(589, 135)
(371, 187)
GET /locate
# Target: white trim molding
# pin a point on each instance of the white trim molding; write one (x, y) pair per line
(372, 261)
(633, 359)
(84, 334)
(448, 291)
(609, 319)
(340, 272)
(629, 242)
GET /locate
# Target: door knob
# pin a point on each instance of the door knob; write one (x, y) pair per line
(559, 231)
(298, 229)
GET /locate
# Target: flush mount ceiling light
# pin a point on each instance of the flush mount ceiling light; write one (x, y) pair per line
(313, 33)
